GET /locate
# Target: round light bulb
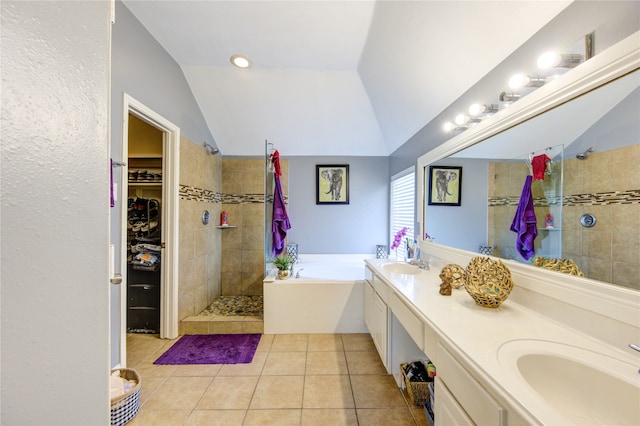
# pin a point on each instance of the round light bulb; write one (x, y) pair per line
(476, 109)
(548, 60)
(461, 119)
(517, 81)
(448, 126)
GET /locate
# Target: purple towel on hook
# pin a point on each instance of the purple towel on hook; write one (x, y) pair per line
(524, 222)
(280, 224)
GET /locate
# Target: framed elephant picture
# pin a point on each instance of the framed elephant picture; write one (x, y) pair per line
(445, 186)
(332, 184)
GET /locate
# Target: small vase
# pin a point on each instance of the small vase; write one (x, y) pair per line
(284, 274)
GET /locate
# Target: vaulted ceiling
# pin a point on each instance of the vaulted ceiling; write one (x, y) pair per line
(334, 77)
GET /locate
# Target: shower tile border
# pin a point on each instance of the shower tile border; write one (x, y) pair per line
(595, 199)
(186, 192)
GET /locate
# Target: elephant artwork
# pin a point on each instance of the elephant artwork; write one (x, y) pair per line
(445, 185)
(332, 184)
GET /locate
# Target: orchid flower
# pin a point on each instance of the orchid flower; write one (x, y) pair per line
(398, 238)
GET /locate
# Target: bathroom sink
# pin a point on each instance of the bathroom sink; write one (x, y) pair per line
(583, 386)
(401, 268)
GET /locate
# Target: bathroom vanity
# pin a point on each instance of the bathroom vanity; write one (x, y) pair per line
(525, 362)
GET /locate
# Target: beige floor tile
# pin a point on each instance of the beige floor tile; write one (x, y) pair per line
(326, 363)
(376, 391)
(216, 418)
(147, 370)
(197, 370)
(265, 343)
(285, 364)
(362, 362)
(178, 393)
(273, 417)
(289, 343)
(329, 416)
(325, 342)
(358, 342)
(327, 392)
(149, 386)
(385, 417)
(278, 392)
(229, 393)
(159, 418)
(254, 368)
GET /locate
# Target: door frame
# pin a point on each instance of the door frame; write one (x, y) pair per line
(169, 207)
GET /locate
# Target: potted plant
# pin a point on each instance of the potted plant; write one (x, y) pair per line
(283, 263)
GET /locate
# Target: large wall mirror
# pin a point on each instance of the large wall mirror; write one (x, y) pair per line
(587, 206)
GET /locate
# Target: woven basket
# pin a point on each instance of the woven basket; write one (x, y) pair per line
(566, 266)
(125, 407)
(418, 391)
(488, 282)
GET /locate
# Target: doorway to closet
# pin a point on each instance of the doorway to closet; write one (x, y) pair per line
(149, 234)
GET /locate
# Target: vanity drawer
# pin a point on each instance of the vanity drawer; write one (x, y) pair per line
(381, 288)
(411, 323)
(474, 399)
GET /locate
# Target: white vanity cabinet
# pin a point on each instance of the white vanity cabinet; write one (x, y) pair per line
(463, 394)
(376, 315)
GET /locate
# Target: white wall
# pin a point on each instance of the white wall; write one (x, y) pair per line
(55, 213)
(343, 228)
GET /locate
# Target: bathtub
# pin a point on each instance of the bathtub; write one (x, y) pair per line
(328, 296)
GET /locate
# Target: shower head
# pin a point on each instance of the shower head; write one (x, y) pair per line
(584, 155)
(210, 149)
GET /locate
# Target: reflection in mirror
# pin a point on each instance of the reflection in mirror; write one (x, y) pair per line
(593, 144)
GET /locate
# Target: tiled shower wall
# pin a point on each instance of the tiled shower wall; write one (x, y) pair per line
(199, 250)
(607, 184)
(243, 247)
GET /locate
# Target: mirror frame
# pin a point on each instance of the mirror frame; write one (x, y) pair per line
(620, 59)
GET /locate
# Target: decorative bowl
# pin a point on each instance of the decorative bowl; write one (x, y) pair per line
(488, 281)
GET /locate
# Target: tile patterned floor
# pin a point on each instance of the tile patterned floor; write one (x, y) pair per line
(314, 379)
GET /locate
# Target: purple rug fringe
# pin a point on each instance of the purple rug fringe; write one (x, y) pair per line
(211, 349)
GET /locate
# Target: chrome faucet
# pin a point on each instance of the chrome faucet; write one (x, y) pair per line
(298, 273)
(422, 264)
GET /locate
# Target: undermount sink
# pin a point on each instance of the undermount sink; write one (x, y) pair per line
(586, 387)
(401, 268)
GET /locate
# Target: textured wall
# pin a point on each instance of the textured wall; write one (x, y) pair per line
(199, 245)
(55, 212)
(243, 247)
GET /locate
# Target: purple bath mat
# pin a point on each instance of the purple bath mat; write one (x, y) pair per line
(211, 349)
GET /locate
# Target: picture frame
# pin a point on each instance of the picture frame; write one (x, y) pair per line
(332, 184)
(445, 186)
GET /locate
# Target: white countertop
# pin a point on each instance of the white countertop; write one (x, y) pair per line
(476, 333)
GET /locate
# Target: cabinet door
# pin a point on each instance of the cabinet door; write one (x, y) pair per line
(447, 411)
(368, 307)
(381, 321)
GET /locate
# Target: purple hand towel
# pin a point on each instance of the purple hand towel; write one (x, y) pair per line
(280, 224)
(524, 222)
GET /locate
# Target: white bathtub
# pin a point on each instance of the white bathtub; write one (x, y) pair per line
(327, 298)
(329, 267)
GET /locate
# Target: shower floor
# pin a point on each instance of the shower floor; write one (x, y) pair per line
(227, 315)
(235, 306)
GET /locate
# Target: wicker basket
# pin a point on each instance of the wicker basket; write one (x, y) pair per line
(125, 407)
(488, 282)
(418, 391)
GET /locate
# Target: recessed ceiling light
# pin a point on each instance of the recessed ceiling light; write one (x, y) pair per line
(240, 61)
